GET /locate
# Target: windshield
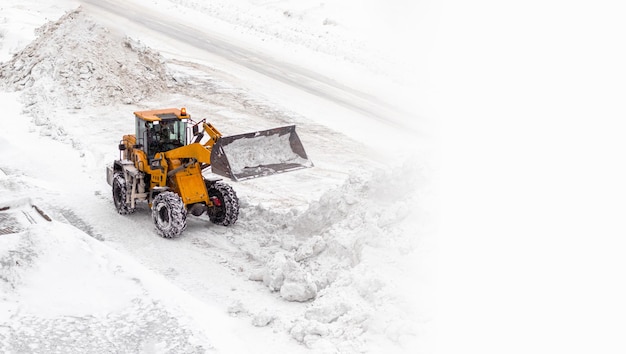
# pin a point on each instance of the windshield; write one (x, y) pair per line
(164, 135)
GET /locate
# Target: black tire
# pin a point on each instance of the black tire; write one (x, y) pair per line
(119, 195)
(228, 210)
(169, 214)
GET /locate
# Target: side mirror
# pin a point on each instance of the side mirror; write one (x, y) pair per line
(122, 147)
(195, 130)
(156, 164)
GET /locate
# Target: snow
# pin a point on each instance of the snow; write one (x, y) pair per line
(262, 150)
(496, 126)
(333, 258)
(63, 290)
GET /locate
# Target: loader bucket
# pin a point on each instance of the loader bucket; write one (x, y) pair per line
(257, 154)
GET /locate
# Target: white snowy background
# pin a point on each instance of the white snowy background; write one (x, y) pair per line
(335, 258)
(530, 96)
(501, 121)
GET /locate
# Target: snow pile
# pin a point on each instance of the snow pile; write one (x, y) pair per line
(262, 150)
(17, 23)
(74, 63)
(348, 254)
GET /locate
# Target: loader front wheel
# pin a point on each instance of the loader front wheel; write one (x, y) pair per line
(226, 204)
(119, 195)
(169, 214)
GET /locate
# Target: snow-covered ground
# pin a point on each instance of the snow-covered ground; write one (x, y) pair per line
(334, 258)
(529, 173)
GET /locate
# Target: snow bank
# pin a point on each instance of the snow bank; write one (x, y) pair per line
(350, 256)
(74, 63)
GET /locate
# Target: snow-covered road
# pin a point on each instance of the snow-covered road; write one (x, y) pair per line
(297, 77)
(368, 105)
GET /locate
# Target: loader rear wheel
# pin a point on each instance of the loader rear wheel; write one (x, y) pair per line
(226, 208)
(169, 214)
(119, 195)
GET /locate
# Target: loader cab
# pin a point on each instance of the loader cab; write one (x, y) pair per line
(161, 130)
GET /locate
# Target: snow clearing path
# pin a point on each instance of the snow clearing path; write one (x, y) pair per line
(320, 258)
